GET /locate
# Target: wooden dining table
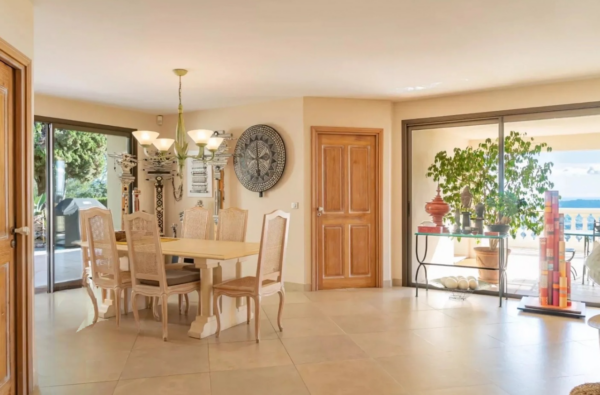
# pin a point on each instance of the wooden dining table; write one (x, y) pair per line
(217, 261)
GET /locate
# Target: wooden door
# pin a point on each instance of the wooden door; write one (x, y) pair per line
(7, 222)
(346, 203)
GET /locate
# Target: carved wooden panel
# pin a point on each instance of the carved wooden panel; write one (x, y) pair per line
(4, 322)
(360, 260)
(333, 246)
(333, 173)
(359, 175)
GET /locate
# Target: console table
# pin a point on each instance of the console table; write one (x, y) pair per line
(502, 258)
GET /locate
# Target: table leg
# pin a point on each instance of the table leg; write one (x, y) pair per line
(106, 309)
(586, 252)
(205, 323)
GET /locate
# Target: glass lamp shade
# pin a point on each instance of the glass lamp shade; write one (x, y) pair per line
(214, 143)
(145, 137)
(200, 136)
(163, 145)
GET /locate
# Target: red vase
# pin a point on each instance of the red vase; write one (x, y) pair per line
(437, 208)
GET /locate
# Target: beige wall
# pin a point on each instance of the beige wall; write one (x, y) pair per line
(286, 117)
(351, 113)
(16, 25)
(81, 111)
(506, 99)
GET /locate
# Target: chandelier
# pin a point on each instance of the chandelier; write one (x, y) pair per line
(162, 160)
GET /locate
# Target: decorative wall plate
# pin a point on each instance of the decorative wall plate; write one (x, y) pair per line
(259, 158)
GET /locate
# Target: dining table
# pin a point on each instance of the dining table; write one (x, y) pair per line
(218, 261)
(589, 237)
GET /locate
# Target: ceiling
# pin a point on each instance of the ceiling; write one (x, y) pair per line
(121, 52)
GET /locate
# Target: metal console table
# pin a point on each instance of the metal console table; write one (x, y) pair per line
(502, 258)
(589, 237)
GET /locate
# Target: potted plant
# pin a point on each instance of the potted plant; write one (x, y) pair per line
(525, 180)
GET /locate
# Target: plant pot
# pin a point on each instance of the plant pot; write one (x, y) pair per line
(486, 257)
(500, 228)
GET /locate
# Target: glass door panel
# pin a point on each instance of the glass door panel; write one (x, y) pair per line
(450, 152)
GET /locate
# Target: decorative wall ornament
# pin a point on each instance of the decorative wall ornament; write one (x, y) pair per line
(199, 178)
(126, 162)
(259, 158)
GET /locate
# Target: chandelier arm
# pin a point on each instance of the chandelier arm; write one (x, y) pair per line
(177, 191)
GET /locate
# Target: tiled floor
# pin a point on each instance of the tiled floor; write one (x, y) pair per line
(335, 342)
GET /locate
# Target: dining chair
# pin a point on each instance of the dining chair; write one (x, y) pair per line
(149, 274)
(269, 272)
(196, 225)
(232, 224)
(106, 269)
(85, 258)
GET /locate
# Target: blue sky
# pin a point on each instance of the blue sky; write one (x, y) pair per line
(576, 174)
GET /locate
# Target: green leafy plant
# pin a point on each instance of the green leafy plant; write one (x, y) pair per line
(525, 180)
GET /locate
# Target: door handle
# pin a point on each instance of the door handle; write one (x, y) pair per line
(320, 211)
(22, 231)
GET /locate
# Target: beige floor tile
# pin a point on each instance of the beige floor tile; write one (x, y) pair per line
(351, 377)
(390, 303)
(192, 384)
(105, 388)
(245, 332)
(280, 380)
(346, 308)
(474, 390)
(75, 367)
(458, 338)
(430, 372)
(150, 336)
(290, 298)
(302, 327)
(165, 361)
(247, 355)
(340, 295)
(294, 310)
(322, 348)
(381, 322)
(387, 344)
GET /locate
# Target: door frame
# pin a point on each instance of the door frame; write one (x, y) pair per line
(378, 133)
(24, 214)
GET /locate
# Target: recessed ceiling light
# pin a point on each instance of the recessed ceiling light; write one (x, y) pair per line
(421, 87)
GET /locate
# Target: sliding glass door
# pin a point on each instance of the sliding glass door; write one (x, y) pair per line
(520, 154)
(73, 173)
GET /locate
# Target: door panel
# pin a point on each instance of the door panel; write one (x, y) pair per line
(7, 215)
(346, 187)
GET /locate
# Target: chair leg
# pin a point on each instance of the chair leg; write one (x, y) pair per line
(257, 317)
(187, 303)
(86, 283)
(248, 309)
(118, 305)
(281, 302)
(180, 302)
(217, 313)
(155, 308)
(134, 307)
(165, 316)
(125, 301)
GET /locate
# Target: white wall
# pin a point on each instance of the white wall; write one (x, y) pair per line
(16, 25)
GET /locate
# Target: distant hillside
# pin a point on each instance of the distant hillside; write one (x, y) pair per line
(580, 203)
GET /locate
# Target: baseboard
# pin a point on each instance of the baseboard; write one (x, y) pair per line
(396, 282)
(296, 287)
(387, 284)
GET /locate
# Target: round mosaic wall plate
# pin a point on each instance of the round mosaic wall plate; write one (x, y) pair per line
(259, 158)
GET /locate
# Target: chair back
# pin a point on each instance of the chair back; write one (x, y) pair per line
(85, 255)
(104, 259)
(145, 254)
(196, 223)
(273, 244)
(232, 224)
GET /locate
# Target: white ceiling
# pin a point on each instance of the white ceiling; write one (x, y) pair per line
(121, 52)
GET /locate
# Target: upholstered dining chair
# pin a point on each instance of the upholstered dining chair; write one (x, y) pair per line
(149, 273)
(104, 259)
(85, 258)
(269, 272)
